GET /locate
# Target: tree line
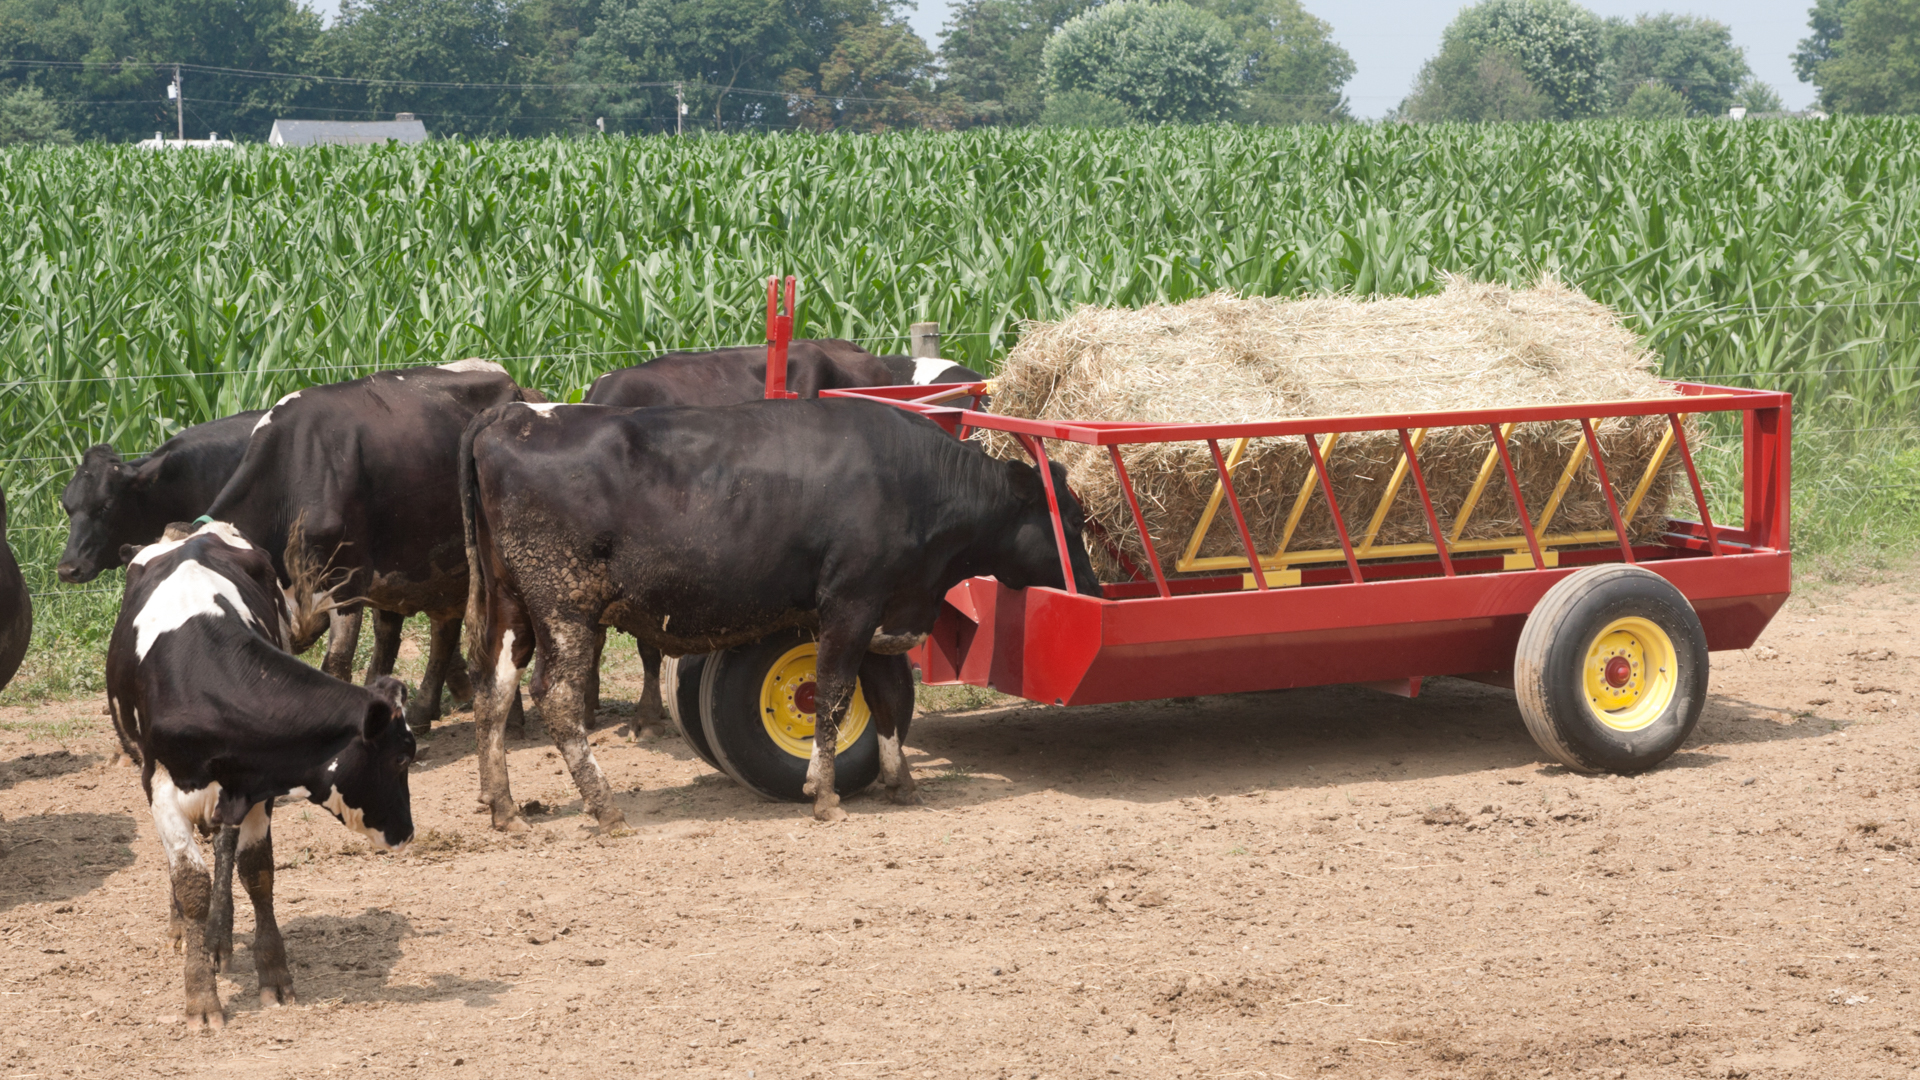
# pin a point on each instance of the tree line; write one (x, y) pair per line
(99, 69)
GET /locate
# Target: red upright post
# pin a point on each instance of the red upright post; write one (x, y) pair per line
(779, 336)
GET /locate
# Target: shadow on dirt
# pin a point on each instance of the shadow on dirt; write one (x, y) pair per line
(351, 958)
(43, 766)
(56, 857)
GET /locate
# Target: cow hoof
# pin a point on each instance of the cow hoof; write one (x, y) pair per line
(615, 823)
(209, 1017)
(513, 826)
(829, 813)
(904, 798)
(272, 997)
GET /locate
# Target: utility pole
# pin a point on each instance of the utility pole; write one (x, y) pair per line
(179, 102)
(679, 106)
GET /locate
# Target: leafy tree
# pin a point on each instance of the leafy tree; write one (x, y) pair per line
(1294, 68)
(878, 77)
(1825, 20)
(27, 116)
(423, 41)
(1874, 66)
(1694, 57)
(1558, 46)
(1084, 109)
(1655, 101)
(991, 50)
(1164, 62)
(1757, 97)
(1473, 85)
(120, 92)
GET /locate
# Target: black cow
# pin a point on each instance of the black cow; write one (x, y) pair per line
(364, 473)
(114, 506)
(733, 375)
(16, 607)
(223, 721)
(696, 529)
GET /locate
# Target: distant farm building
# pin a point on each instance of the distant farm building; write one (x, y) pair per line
(403, 128)
(213, 141)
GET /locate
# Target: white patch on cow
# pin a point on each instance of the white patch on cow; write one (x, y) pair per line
(890, 759)
(176, 812)
(928, 368)
(354, 819)
(154, 551)
(544, 408)
(504, 673)
(253, 827)
(474, 365)
(299, 793)
(226, 532)
(268, 418)
(399, 378)
(190, 590)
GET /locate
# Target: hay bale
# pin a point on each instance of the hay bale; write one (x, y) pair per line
(1225, 358)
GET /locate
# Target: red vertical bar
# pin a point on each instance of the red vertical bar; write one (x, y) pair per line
(1606, 488)
(1693, 477)
(1139, 521)
(779, 335)
(1767, 464)
(1433, 520)
(1339, 523)
(1239, 519)
(1519, 502)
(1039, 451)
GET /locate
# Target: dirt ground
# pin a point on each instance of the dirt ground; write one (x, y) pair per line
(1300, 884)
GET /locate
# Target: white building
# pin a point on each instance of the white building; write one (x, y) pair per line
(403, 128)
(213, 141)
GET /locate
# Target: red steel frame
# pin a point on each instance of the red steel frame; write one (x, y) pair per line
(1459, 613)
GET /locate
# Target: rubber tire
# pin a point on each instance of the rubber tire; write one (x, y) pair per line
(680, 689)
(730, 710)
(1549, 664)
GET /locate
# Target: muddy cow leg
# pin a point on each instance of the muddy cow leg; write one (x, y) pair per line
(192, 893)
(566, 655)
(650, 716)
(343, 638)
(386, 644)
(887, 683)
(593, 677)
(255, 864)
(458, 687)
(442, 649)
(220, 904)
(840, 656)
(499, 654)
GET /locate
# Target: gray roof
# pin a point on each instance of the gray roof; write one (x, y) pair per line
(345, 132)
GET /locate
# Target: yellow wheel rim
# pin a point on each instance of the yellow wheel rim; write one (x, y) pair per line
(787, 702)
(1630, 673)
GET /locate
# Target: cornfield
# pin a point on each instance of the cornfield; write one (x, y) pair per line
(141, 293)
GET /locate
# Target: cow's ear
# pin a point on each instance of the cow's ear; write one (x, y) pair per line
(128, 551)
(100, 454)
(379, 717)
(1026, 481)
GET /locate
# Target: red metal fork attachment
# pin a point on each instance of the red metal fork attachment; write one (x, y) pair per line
(779, 336)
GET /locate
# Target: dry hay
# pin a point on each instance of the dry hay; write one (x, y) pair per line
(1224, 358)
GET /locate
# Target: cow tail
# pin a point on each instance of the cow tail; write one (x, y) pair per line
(476, 622)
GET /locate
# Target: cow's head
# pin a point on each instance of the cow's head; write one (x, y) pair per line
(367, 782)
(102, 505)
(1027, 555)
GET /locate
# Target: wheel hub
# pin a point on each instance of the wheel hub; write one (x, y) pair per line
(803, 696)
(1630, 673)
(1619, 671)
(789, 697)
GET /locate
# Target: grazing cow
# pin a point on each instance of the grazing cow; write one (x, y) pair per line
(696, 529)
(223, 721)
(114, 506)
(360, 477)
(733, 375)
(16, 607)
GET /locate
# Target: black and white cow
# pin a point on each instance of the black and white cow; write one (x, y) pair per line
(115, 506)
(223, 721)
(365, 473)
(16, 606)
(733, 375)
(697, 529)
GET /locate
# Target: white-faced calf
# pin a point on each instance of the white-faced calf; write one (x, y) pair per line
(223, 721)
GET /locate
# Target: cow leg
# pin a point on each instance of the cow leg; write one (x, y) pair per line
(255, 863)
(386, 643)
(192, 894)
(593, 677)
(343, 638)
(458, 688)
(444, 646)
(497, 665)
(220, 904)
(516, 722)
(838, 665)
(650, 716)
(567, 653)
(887, 682)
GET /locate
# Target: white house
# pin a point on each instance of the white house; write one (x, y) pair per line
(403, 128)
(213, 141)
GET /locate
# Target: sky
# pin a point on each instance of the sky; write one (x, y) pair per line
(1390, 39)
